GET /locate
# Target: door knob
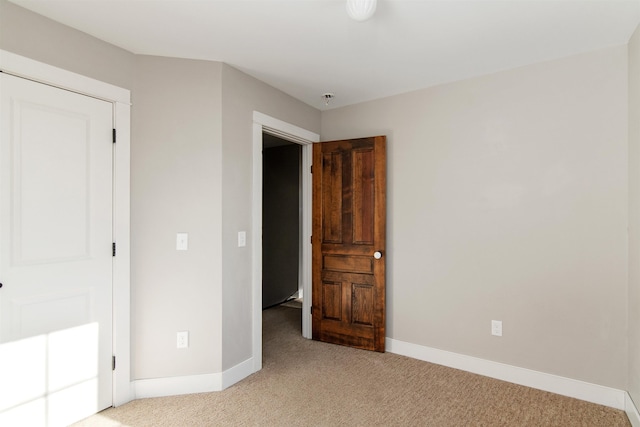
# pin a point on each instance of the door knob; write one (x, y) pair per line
(377, 254)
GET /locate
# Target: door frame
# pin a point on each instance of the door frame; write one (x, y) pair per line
(270, 125)
(21, 66)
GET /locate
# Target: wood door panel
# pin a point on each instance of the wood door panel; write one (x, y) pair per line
(362, 300)
(349, 222)
(363, 196)
(346, 263)
(332, 198)
(332, 300)
(352, 250)
(358, 336)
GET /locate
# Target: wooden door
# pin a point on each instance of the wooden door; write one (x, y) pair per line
(56, 155)
(349, 220)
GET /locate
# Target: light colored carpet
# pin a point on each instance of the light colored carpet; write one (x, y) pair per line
(308, 383)
(293, 303)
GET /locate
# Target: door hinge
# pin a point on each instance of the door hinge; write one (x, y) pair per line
(311, 167)
(114, 136)
(311, 239)
(113, 363)
(311, 309)
(113, 249)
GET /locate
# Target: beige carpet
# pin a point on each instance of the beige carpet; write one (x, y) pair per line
(307, 383)
(293, 303)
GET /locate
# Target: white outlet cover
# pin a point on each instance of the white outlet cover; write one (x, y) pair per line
(242, 239)
(182, 339)
(496, 328)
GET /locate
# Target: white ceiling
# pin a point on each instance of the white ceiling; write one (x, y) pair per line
(309, 47)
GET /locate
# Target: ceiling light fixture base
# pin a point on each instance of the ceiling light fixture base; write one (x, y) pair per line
(361, 10)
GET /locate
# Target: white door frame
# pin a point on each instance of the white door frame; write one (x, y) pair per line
(263, 123)
(120, 99)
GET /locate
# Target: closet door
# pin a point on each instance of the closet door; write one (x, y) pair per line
(56, 157)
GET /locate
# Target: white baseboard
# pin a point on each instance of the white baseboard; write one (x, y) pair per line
(173, 386)
(539, 380)
(237, 373)
(632, 411)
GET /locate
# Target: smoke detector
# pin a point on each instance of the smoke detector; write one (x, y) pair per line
(328, 97)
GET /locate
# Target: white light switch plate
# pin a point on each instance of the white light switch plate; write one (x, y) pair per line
(182, 241)
(242, 239)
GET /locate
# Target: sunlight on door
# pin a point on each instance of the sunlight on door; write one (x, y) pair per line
(56, 206)
(53, 377)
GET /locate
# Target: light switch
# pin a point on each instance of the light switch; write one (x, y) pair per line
(242, 239)
(182, 241)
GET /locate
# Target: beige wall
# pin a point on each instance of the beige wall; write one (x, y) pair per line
(507, 200)
(28, 34)
(634, 217)
(176, 182)
(241, 96)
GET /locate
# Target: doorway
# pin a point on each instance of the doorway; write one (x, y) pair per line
(281, 221)
(272, 126)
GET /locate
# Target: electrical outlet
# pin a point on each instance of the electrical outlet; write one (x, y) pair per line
(242, 239)
(496, 328)
(183, 339)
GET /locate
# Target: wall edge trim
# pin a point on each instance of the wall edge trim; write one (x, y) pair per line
(174, 386)
(189, 384)
(582, 390)
(21, 66)
(631, 410)
(236, 374)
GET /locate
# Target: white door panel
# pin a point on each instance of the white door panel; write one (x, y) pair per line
(40, 238)
(55, 250)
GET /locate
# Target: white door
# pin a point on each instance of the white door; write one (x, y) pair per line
(55, 254)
